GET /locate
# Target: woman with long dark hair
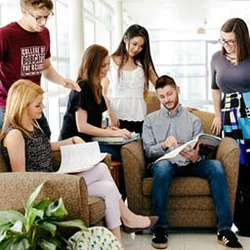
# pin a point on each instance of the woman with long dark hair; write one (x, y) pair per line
(231, 99)
(127, 84)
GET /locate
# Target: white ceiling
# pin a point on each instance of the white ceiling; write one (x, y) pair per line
(179, 13)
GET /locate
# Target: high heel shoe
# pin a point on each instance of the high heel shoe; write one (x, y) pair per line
(153, 220)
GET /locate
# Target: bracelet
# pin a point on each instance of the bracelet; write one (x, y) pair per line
(199, 159)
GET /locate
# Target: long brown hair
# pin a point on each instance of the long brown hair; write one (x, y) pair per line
(90, 67)
(239, 27)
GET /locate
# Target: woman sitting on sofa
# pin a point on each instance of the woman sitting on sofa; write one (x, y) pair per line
(26, 148)
(83, 116)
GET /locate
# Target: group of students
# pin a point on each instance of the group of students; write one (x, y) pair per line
(118, 84)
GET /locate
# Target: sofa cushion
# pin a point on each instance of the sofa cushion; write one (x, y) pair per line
(181, 186)
(199, 202)
(96, 210)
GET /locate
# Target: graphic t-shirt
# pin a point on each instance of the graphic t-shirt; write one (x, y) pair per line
(22, 54)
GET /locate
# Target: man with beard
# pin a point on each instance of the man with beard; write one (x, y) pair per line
(163, 130)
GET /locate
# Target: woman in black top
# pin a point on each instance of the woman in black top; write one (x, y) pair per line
(84, 110)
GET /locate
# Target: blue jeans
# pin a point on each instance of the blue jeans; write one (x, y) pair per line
(114, 150)
(163, 171)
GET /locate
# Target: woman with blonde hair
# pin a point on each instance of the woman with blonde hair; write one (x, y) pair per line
(26, 148)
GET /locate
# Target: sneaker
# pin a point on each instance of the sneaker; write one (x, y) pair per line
(227, 238)
(160, 238)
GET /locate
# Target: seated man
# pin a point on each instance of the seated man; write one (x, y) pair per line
(162, 131)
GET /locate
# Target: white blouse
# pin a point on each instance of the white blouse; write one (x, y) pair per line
(126, 93)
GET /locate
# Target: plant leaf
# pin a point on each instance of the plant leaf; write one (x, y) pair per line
(71, 223)
(47, 226)
(25, 232)
(17, 243)
(47, 244)
(21, 244)
(11, 215)
(6, 244)
(32, 198)
(4, 229)
(59, 240)
(42, 204)
(17, 227)
(31, 216)
(56, 209)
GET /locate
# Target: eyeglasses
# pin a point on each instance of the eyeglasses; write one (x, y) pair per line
(40, 18)
(229, 42)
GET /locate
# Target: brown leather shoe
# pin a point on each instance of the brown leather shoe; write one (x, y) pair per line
(153, 220)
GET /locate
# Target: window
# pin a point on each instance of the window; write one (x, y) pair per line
(181, 54)
(188, 62)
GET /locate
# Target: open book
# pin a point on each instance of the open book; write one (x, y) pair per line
(116, 140)
(80, 157)
(207, 142)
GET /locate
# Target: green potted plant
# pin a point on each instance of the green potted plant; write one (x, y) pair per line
(38, 227)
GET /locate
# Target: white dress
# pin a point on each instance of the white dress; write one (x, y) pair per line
(126, 93)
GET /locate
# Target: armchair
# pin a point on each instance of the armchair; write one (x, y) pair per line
(190, 203)
(16, 187)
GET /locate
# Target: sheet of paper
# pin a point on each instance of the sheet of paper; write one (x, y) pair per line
(80, 157)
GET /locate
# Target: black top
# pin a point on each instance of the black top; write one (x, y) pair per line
(38, 153)
(85, 100)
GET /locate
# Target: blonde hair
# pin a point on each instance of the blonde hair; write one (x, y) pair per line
(21, 94)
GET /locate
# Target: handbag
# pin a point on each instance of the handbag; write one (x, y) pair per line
(94, 238)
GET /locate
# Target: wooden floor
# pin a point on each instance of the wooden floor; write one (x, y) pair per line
(180, 241)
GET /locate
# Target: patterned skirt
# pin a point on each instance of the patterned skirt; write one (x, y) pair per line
(236, 121)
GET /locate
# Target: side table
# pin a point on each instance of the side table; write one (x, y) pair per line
(115, 165)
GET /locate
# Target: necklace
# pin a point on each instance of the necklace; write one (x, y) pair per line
(231, 59)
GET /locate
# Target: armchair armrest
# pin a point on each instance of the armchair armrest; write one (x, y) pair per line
(16, 187)
(228, 153)
(134, 172)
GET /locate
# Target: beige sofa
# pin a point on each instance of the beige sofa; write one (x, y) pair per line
(190, 203)
(15, 188)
